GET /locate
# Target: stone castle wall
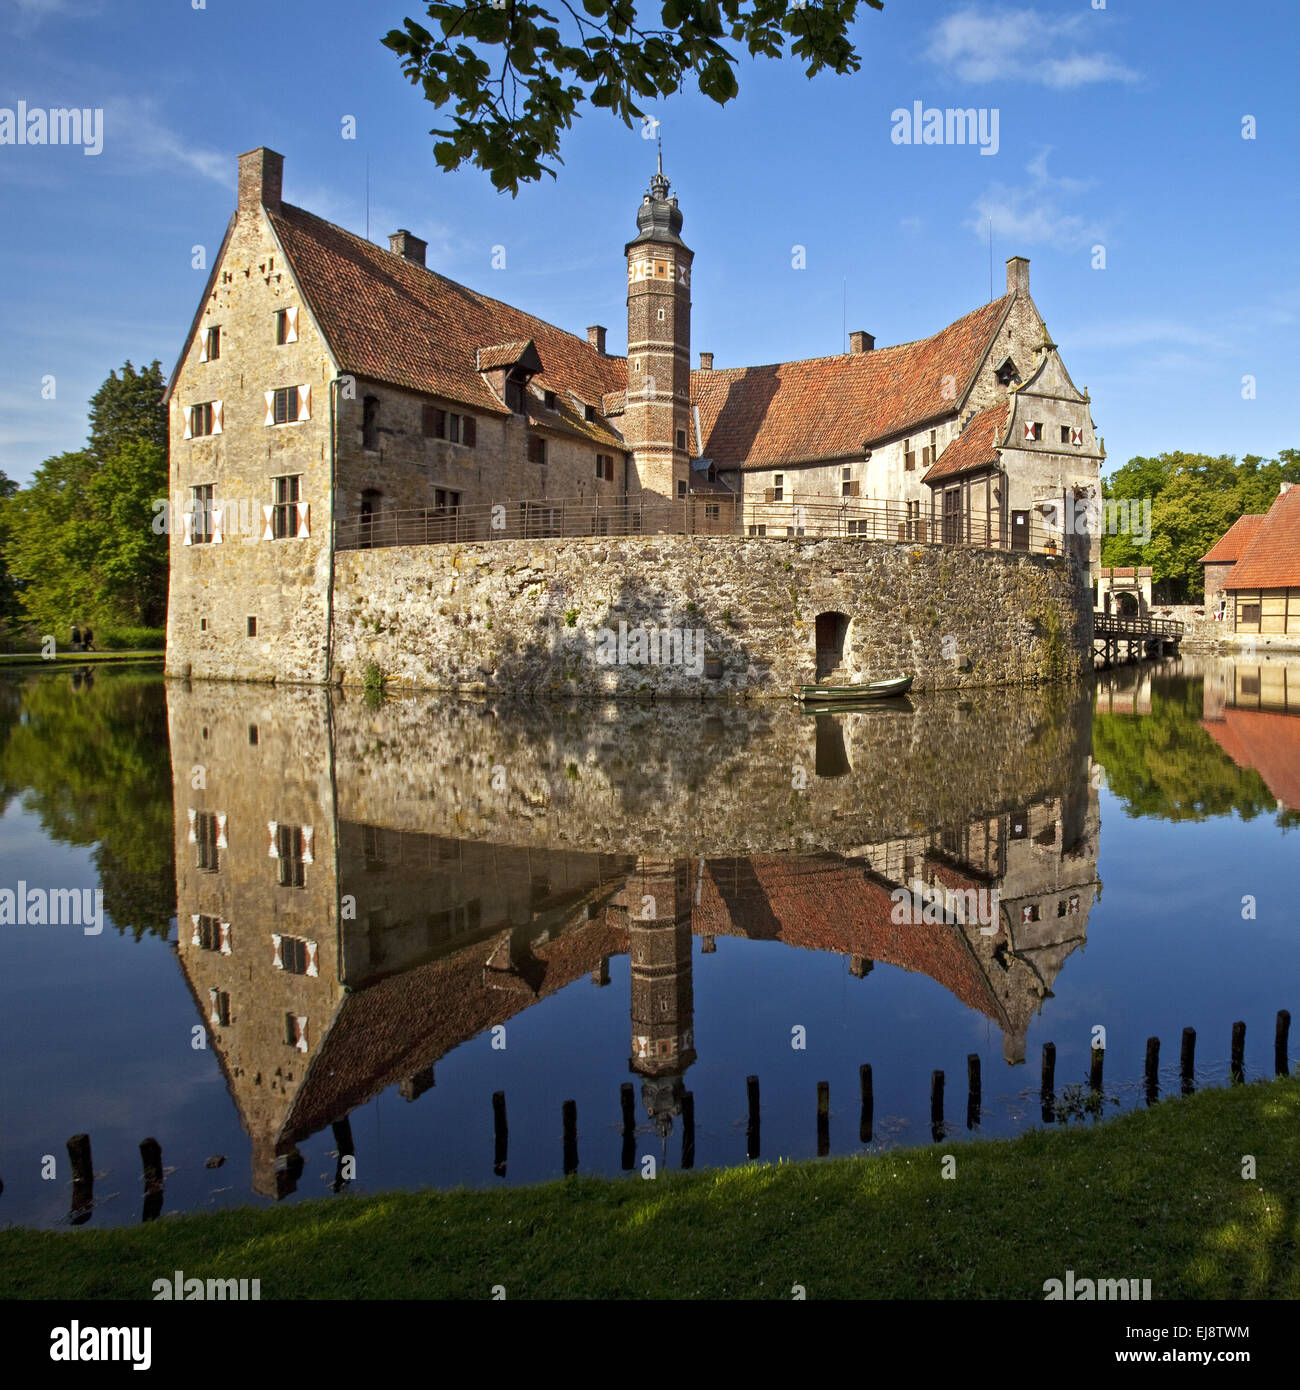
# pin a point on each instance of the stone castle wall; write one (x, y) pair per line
(530, 617)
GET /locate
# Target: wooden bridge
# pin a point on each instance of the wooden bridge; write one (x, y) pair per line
(1130, 639)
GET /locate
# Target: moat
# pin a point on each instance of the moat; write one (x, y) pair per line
(335, 930)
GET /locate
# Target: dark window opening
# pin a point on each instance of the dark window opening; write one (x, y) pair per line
(252, 735)
(285, 407)
(536, 449)
(208, 856)
(281, 327)
(209, 933)
(1250, 613)
(832, 630)
(292, 1030)
(252, 626)
(293, 954)
(681, 439)
(681, 487)
(289, 861)
(433, 422)
(1065, 434)
(201, 511)
(201, 419)
(213, 346)
(370, 424)
(548, 400)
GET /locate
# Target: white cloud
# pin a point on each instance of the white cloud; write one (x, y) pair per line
(134, 128)
(1036, 213)
(1026, 46)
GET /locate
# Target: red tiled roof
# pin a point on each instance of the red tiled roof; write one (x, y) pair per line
(502, 355)
(1230, 546)
(391, 320)
(975, 447)
(830, 407)
(1270, 743)
(1272, 559)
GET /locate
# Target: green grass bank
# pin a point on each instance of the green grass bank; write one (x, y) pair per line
(1156, 1194)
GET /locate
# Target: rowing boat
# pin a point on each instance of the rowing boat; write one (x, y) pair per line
(867, 690)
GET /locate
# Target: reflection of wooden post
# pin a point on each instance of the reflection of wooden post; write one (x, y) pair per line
(627, 1100)
(1279, 1041)
(688, 1130)
(868, 1103)
(1187, 1061)
(345, 1149)
(752, 1128)
(823, 1118)
(1094, 1073)
(151, 1159)
(936, 1105)
(1238, 1053)
(1048, 1092)
(83, 1178)
(974, 1090)
(500, 1133)
(569, 1112)
(1153, 1070)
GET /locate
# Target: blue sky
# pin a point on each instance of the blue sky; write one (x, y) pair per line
(1119, 127)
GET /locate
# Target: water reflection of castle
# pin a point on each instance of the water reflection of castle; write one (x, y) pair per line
(1251, 713)
(335, 951)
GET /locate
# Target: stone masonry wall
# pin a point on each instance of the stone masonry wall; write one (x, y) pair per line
(529, 616)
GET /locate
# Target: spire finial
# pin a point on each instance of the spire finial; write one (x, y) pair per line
(661, 153)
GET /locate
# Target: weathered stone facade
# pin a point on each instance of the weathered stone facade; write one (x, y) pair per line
(527, 616)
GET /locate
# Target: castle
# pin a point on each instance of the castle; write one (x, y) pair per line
(333, 394)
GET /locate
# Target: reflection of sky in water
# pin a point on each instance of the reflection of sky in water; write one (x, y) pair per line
(96, 1032)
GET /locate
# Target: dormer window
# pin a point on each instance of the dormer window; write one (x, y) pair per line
(514, 395)
(548, 399)
(1006, 372)
(588, 412)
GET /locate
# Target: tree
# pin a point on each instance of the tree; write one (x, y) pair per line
(603, 53)
(128, 407)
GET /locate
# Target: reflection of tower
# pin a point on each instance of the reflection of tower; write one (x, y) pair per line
(663, 1021)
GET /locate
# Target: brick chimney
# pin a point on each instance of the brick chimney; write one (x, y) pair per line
(1018, 275)
(596, 337)
(410, 248)
(261, 175)
(861, 342)
(706, 361)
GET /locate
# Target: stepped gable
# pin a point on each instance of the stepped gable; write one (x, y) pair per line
(832, 407)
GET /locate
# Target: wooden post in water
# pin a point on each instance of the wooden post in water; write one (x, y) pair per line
(936, 1105)
(688, 1130)
(973, 1090)
(627, 1100)
(1238, 1052)
(1279, 1041)
(569, 1112)
(1187, 1061)
(823, 1118)
(83, 1179)
(753, 1126)
(868, 1103)
(500, 1133)
(151, 1159)
(1048, 1092)
(1094, 1073)
(1153, 1070)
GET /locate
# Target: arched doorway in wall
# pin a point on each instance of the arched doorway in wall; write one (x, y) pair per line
(1126, 605)
(370, 500)
(832, 631)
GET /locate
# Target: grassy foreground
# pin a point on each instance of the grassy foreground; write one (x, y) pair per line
(1157, 1195)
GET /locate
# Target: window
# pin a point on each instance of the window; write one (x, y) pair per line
(548, 399)
(203, 624)
(605, 467)
(370, 424)
(1250, 685)
(284, 407)
(293, 955)
(712, 511)
(588, 412)
(211, 344)
(1249, 613)
(1065, 434)
(286, 326)
(252, 735)
(1029, 913)
(846, 482)
(681, 439)
(928, 453)
(201, 419)
(285, 505)
(758, 530)
(252, 626)
(778, 487)
(536, 449)
(515, 395)
(909, 456)
(681, 487)
(206, 832)
(208, 932)
(445, 501)
(1034, 429)
(433, 422)
(289, 857)
(294, 1030)
(201, 513)
(220, 1016)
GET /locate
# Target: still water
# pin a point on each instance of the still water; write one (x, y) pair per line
(332, 931)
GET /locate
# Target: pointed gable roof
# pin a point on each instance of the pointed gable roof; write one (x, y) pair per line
(1272, 559)
(975, 447)
(826, 408)
(1231, 546)
(391, 320)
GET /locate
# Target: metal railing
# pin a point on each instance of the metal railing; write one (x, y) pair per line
(701, 516)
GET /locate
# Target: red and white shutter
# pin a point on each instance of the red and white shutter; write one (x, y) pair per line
(191, 813)
(1029, 430)
(268, 527)
(304, 402)
(214, 1013)
(307, 836)
(269, 397)
(304, 520)
(189, 421)
(311, 959)
(187, 525)
(225, 938)
(194, 939)
(221, 832)
(279, 957)
(1076, 436)
(203, 344)
(217, 536)
(291, 324)
(301, 1044)
(272, 848)
(217, 418)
